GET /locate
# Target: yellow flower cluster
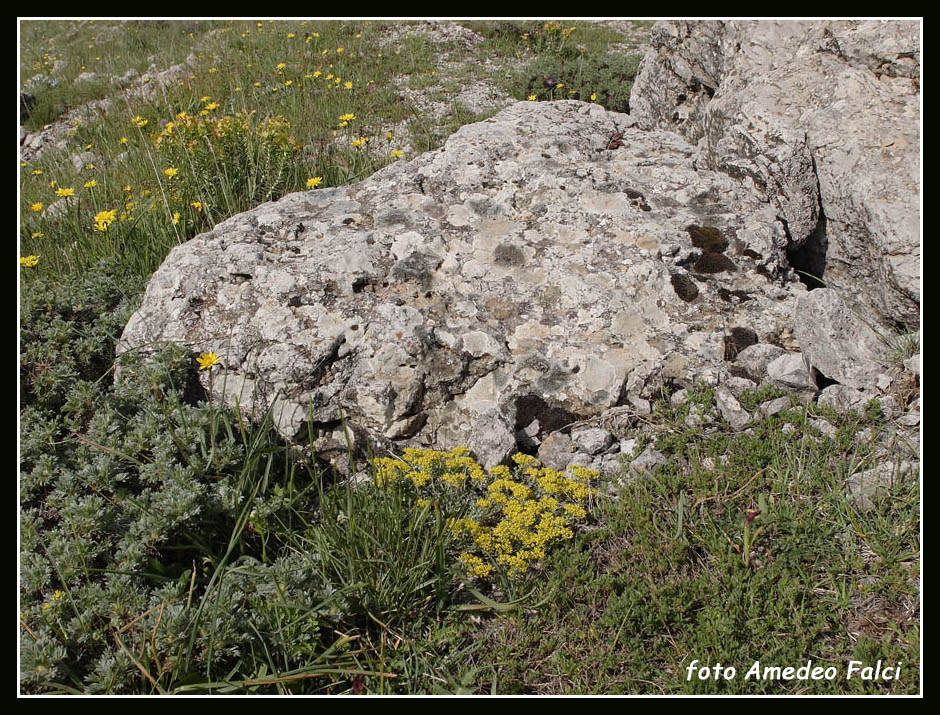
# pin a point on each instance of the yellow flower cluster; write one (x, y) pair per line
(521, 513)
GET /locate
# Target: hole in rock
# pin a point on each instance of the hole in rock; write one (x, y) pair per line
(551, 418)
(809, 260)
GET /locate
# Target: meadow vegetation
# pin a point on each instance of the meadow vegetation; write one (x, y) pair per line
(170, 545)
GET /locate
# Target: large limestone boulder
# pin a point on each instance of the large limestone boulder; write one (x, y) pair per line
(528, 274)
(822, 120)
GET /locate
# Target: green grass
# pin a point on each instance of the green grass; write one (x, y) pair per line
(167, 544)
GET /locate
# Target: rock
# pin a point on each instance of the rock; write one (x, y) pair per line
(648, 461)
(88, 77)
(775, 407)
(83, 159)
(678, 397)
(511, 276)
(913, 364)
(837, 342)
(755, 358)
(59, 208)
(865, 488)
(789, 371)
(822, 118)
(739, 385)
(731, 409)
(824, 427)
(844, 398)
(628, 446)
(556, 451)
(610, 465)
(591, 440)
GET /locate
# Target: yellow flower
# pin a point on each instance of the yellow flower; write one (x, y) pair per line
(64, 192)
(314, 182)
(90, 184)
(176, 217)
(339, 50)
(348, 85)
(37, 172)
(290, 35)
(37, 207)
(171, 172)
(560, 85)
(388, 135)
(197, 205)
(281, 65)
(37, 234)
(531, 97)
(52, 184)
(212, 70)
(593, 97)
(347, 117)
(288, 83)
(317, 73)
(357, 142)
(256, 84)
(139, 122)
(123, 140)
(212, 105)
(103, 219)
(207, 360)
(397, 153)
(29, 261)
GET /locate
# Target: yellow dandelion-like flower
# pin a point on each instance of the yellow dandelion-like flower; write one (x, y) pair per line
(531, 97)
(398, 153)
(212, 105)
(90, 184)
(139, 122)
(348, 85)
(103, 219)
(593, 96)
(37, 207)
(281, 65)
(314, 182)
(197, 205)
(171, 172)
(212, 70)
(207, 360)
(288, 83)
(123, 140)
(29, 261)
(357, 142)
(176, 217)
(37, 172)
(37, 234)
(317, 73)
(348, 117)
(256, 84)
(64, 192)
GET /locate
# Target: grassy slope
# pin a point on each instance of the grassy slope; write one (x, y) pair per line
(165, 540)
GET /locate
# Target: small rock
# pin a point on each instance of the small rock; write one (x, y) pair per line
(648, 461)
(824, 427)
(789, 371)
(556, 451)
(843, 398)
(731, 409)
(775, 407)
(627, 446)
(755, 358)
(889, 407)
(591, 440)
(642, 406)
(913, 364)
(80, 161)
(678, 397)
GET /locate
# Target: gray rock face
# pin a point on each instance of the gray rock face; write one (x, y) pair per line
(513, 276)
(836, 340)
(822, 119)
